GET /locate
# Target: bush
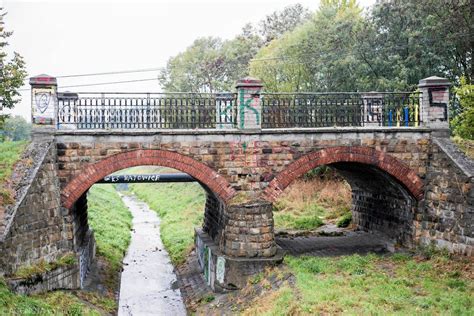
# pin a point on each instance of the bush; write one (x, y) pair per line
(463, 123)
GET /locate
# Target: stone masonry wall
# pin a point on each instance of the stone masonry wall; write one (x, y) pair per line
(379, 202)
(446, 217)
(247, 162)
(38, 230)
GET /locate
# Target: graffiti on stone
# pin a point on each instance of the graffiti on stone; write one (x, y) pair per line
(220, 269)
(249, 104)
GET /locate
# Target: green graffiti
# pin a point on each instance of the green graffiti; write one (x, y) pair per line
(246, 105)
(244, 146)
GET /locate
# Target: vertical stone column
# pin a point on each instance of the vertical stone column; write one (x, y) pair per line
(249, 230)
(249, 107)
(43, 100)
(434, 103)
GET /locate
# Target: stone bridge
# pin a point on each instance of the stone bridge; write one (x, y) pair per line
(408, 181)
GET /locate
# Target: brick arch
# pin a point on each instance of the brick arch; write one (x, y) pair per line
(358, 154)
(93, 172)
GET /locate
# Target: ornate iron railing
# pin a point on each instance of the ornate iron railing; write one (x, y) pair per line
(219, 110)
(146, 110)
(286, 110)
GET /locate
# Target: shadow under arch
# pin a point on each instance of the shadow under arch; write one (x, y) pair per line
(385, 191)
(93, 172)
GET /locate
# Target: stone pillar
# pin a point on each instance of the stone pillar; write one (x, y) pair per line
(43, 100)
(434, 103)
(249, 230)
(249, 107)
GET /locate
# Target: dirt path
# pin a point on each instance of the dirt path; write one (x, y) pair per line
(148, 284)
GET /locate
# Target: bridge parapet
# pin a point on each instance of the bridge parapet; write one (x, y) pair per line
(248, 109)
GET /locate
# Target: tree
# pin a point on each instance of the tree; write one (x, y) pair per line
(210, 64)
(12, 72)
(16, 128)
(318, 55)
(278, 23)
(405, 41)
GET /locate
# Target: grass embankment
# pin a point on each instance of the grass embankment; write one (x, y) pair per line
(10, 153)
(308, 203)
(466, 145)
(180, 207)
(111, 222)
(399, 284)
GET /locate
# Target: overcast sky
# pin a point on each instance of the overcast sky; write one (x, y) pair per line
(75, 37)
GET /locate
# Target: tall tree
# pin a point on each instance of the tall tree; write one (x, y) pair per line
(276, 24)
(17, 128)
(210, 64)
(318, 55)
(12, 71)
(405, 41)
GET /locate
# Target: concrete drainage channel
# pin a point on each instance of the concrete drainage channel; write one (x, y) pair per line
(148, 285)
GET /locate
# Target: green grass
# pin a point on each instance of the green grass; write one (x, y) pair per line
(371, 284)
(54, 303)
(180, 207)
(10, 153)
(111, 221)
(300, 222)
(43, 266)
(466, 145)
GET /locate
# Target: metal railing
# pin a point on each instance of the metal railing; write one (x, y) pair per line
(219, 110)
(287, 110)
(146, 110)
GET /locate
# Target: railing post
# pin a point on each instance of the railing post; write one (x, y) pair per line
(434, 103)
(44, 102)
(249, 106)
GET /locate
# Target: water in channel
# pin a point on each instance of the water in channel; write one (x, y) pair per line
(148, 284)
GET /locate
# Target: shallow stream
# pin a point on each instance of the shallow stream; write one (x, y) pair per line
(148, 285)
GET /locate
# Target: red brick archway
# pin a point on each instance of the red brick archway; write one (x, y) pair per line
(96, 171)
(359, 154)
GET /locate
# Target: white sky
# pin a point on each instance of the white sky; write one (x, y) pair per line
(74, 37)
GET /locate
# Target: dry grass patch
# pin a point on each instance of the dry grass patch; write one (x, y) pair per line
(306, 203)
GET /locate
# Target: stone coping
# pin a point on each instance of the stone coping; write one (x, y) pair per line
(457, 156)
(143, 132)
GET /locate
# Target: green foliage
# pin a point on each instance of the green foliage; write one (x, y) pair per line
(278, 23)
(180, 207)
(17, 128)
(211, 64)
(463, 123)
(391, 48)
(345, 220)
(318, 55)
(12, 72)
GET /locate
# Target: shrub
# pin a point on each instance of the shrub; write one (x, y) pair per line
(463, 123)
